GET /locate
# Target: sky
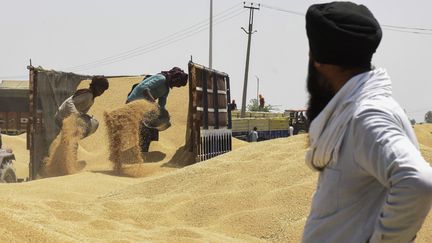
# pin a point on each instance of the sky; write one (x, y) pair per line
(131, 37)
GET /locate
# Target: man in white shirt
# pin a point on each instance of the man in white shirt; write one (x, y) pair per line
(254, 135)
(374, 185)
(81, 102)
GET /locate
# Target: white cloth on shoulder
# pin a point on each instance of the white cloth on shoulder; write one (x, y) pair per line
(328, 128)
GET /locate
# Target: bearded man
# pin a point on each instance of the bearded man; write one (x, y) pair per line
(374, 185)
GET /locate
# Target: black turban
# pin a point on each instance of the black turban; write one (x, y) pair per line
(342, 33)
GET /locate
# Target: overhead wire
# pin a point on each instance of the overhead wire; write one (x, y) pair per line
(197, 28)
(407, 28)
(223, 16)
(226, 14)
(282, 10)
(151, 43)
(404, 29)
(159, 46)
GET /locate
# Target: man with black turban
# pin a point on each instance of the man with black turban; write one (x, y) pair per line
(374, 185)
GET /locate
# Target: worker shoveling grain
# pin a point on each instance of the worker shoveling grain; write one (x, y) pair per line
(62, 158)
(123, 131)
(73, 124)
(131, 128)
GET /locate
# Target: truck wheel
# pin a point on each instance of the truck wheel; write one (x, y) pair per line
(7, 174)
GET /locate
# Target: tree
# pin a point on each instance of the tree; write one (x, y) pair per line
(428, 117)
(254, 106)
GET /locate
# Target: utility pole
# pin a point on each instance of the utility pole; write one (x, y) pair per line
(211, 36)
(251, 8)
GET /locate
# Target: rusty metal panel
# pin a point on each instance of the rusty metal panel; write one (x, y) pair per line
(32, 121)
(208, 119)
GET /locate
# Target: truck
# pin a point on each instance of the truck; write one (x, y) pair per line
(270, 125)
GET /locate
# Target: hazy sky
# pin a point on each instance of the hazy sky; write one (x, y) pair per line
(140, 36)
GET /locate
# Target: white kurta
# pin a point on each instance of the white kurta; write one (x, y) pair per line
(380, 187)
(79, 104)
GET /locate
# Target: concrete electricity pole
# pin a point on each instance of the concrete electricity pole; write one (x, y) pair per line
(249, 33)
(211, 36)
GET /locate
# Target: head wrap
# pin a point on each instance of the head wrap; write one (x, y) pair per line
(342, 33)
(177, 75)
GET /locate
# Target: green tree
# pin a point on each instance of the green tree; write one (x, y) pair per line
(428, 117)
(254, 106)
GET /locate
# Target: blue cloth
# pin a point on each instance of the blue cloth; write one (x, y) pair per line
(158, 89)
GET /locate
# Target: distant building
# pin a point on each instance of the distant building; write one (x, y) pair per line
(14, 106)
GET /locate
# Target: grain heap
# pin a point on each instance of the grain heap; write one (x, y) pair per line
(123, 132)
(247, 195)
(62, 156)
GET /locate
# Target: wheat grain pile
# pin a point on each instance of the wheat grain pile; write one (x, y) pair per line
(62, 157)
(123, 132)
(259, 192)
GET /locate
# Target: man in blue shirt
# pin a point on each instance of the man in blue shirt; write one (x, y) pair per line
(154, 88)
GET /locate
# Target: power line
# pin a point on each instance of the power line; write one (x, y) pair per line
(407, 28)
(282, 10)
(195, 29)
(191, 28)
(404, 29)
(224, 14)
(148, 45)
(155, 45)
(161, 45)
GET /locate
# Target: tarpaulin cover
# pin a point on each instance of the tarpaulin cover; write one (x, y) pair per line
(52, 89)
